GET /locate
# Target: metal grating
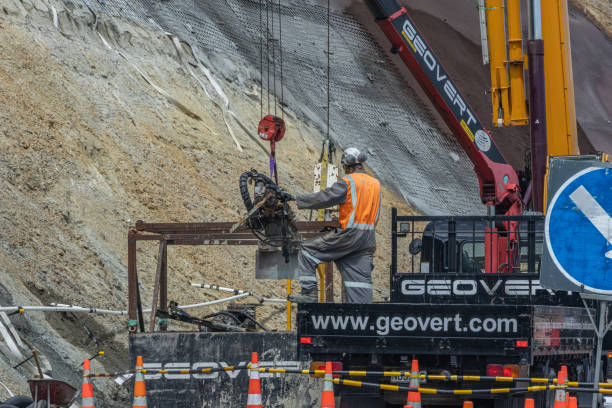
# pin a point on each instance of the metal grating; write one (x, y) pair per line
(371, 107)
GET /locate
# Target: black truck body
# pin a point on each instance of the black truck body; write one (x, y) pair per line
(445, 311)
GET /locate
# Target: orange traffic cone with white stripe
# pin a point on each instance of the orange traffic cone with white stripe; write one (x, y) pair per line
(87, 395)
(254, 398)
(327, 398)
(140, 389)
(529, 403)
(572, 402)
(468, 404)
(414, 397)
(560, 400)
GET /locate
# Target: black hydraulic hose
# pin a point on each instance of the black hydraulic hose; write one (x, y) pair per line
(244, 189)
(251, 318)
(231, 316)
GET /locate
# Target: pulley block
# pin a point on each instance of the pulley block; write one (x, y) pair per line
(271, 128)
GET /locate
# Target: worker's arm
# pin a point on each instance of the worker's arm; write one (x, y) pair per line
(334, 195)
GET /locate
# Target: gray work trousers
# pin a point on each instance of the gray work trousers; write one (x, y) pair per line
(352, 250)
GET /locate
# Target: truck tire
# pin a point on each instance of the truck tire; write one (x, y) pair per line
(20, 401)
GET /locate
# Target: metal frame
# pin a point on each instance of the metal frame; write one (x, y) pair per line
(207, 233)
(530, 233)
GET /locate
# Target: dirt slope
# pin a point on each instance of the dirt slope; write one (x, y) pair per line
(87, 147)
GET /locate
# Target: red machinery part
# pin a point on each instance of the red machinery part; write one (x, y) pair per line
(271, 128)
(498, 180)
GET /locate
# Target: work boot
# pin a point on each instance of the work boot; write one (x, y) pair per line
(304, 297)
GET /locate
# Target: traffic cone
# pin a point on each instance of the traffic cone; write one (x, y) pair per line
(468, 404)
(140, 389)
(414, 397)
(529, 403)
(327, 398)
(572, 402)
(560, 400)
(87, 395)
(254, 398)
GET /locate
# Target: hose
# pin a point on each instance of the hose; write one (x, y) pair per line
(244, 188)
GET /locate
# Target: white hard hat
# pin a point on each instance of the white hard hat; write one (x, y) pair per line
(353, 156)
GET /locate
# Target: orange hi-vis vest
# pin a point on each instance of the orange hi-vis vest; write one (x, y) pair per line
(362, 206)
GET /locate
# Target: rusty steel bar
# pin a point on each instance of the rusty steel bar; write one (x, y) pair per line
(151, 237)
(139, 307)
(211, 227)
(207, 237)
(163, 289)
(213, 242)
(181, 237)
(132, 284)
(165, 227)
(158, 273)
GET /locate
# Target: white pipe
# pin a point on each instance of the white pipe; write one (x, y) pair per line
(213, 302)
(217, 287)
(63, 308)
(484, 39)
(56, 307)
(222, 289)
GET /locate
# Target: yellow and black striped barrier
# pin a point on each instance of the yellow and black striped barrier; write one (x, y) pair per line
(422, 390)
(431, 377)
(547, 383)
(108, 375)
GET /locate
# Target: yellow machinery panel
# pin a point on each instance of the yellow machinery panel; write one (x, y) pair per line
(506, 64)
(496, 31)
(562, 136)
(516, 58)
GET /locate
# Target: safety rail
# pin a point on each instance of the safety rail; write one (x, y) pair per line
(547, 383)
(467, 244)
(470, 260)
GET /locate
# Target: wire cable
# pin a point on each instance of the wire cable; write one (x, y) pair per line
(268, 50)
(328, 66)
(261, 39)
(273, 56)
(280, 50)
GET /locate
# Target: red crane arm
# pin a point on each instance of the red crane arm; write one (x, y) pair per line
(498, 180)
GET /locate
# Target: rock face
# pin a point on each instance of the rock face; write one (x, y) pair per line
(88, 146)
(598, 11)
(106, 120)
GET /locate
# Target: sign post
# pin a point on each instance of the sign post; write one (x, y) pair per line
(578, 237)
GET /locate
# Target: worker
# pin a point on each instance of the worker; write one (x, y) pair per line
(352, 247)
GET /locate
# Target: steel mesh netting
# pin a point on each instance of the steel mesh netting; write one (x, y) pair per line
(371, 106)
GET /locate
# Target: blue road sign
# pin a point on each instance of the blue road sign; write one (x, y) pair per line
(579, 229)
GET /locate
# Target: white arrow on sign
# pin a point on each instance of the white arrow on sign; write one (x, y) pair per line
(595, 213)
